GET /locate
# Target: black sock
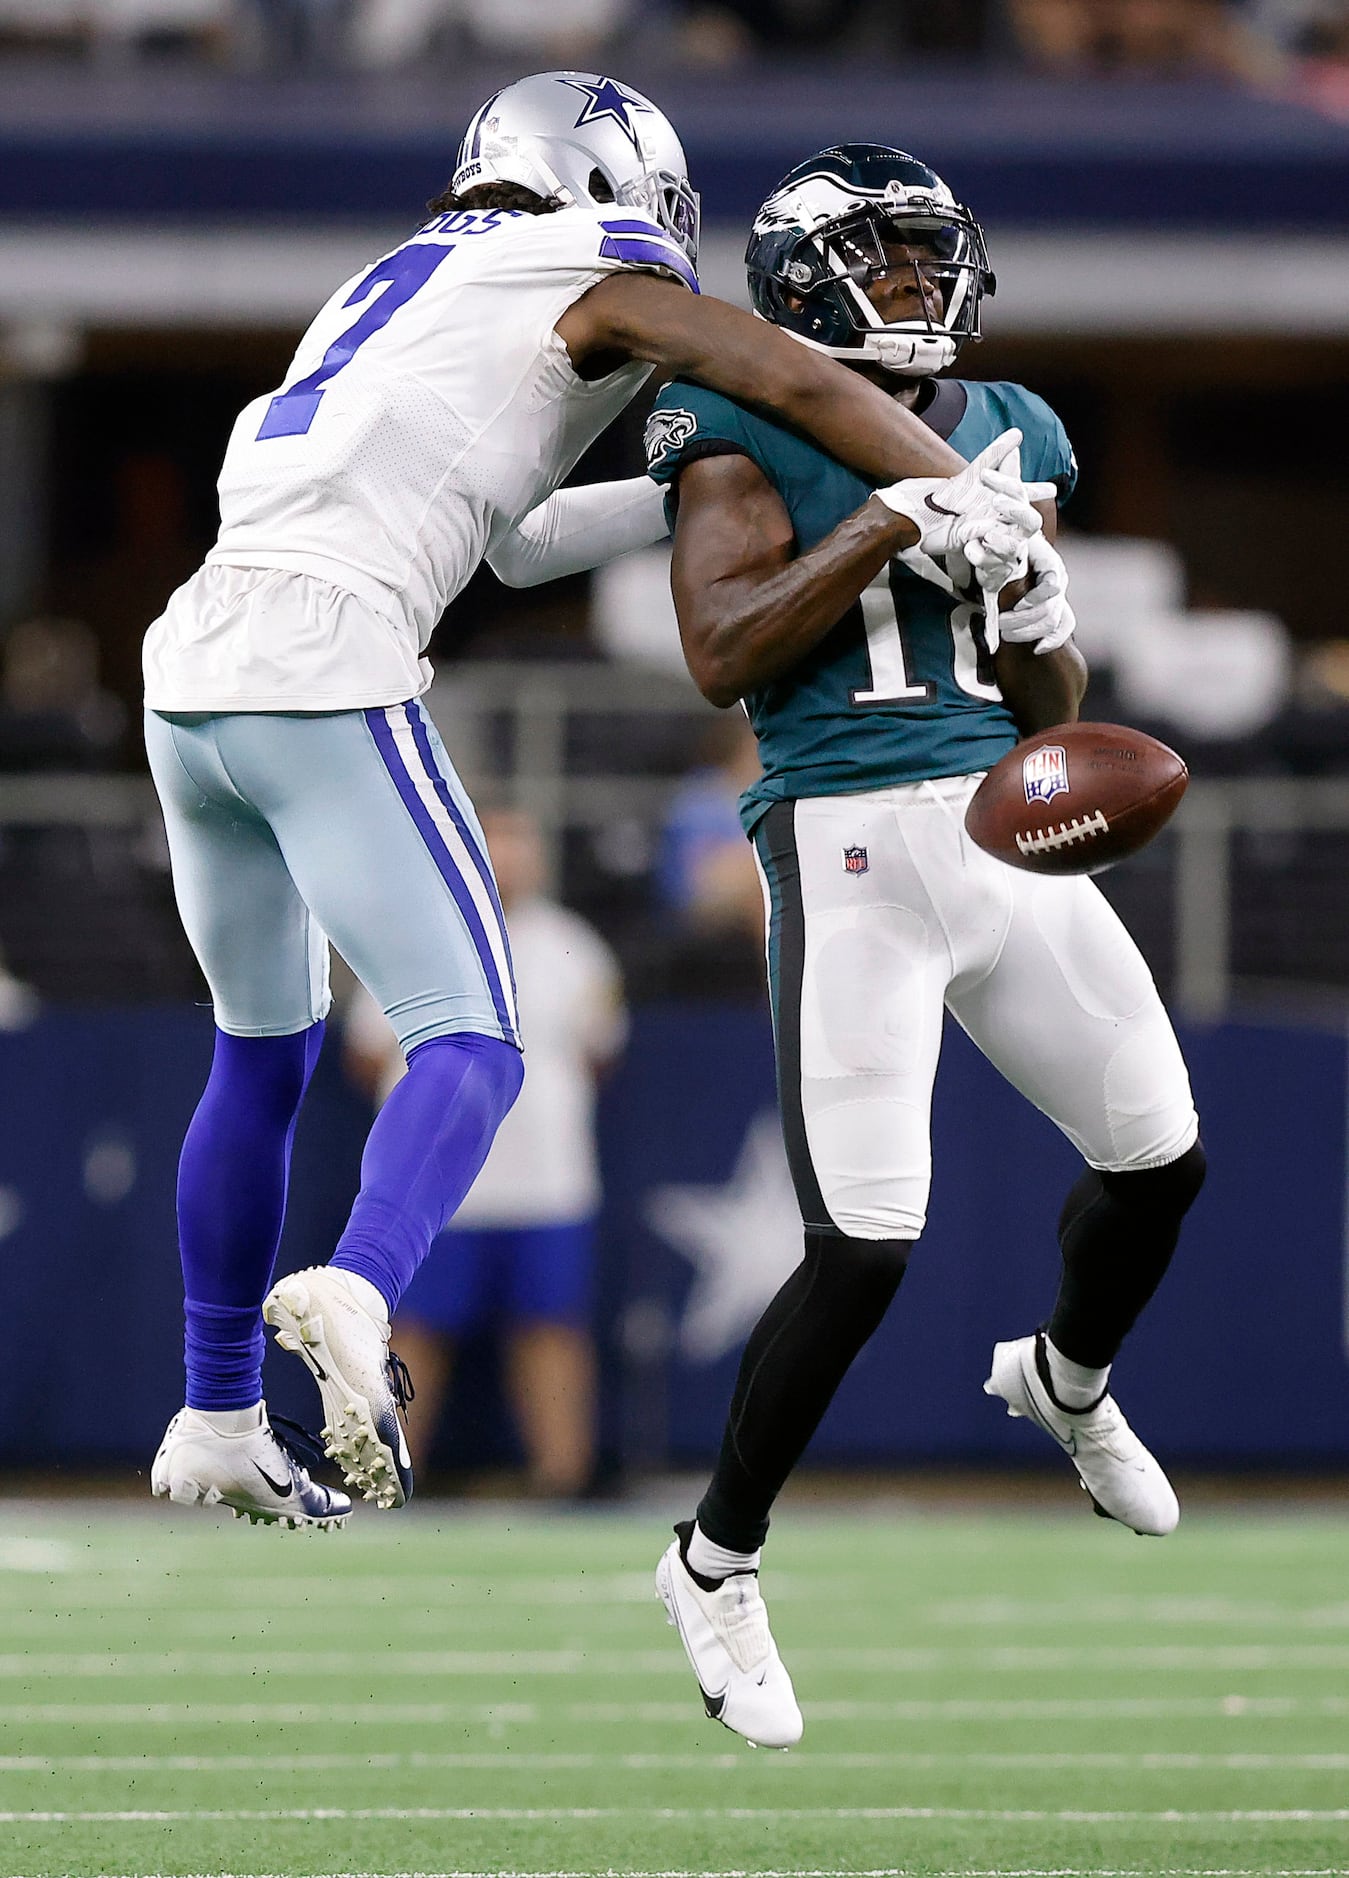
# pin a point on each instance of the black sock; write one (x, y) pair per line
(1117, 1233)
(797, 1355)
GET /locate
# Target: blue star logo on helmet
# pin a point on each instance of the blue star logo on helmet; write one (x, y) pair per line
(605, 99)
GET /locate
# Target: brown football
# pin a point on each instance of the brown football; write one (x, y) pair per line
(1076, 799)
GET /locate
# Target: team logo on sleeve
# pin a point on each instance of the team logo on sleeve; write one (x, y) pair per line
(855, 861)
(1045, 773)
(666, 434)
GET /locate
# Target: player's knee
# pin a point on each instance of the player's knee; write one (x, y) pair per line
(1166, 1192)
(493, 1070)
(508, 1071)
(870, 1268)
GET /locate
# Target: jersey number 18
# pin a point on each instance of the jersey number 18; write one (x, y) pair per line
(891, 656)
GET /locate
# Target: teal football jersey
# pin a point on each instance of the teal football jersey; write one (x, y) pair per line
(903, 687)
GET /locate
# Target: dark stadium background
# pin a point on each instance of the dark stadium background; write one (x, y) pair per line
(1168, 219)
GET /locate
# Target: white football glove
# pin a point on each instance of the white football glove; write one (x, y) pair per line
(985, 513)
(1042, 617)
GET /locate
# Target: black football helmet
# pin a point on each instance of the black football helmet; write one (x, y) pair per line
(821, 237)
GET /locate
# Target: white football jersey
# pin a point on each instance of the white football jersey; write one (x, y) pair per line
(428, 409)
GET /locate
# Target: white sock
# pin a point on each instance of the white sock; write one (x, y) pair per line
(368, 1296)
(717, 1561)
(233, 1421)
(1076, 1387)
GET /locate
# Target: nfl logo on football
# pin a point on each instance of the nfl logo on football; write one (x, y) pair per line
(855, 861)
(1045, 773)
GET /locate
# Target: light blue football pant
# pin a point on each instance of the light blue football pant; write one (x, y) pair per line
(289, 830)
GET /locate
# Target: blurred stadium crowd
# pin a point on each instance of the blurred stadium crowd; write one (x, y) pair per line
(1248, 37)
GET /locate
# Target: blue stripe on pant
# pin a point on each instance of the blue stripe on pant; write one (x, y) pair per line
(450, 844)
(289, 829)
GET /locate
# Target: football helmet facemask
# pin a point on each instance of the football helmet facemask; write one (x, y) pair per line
(583, 138)
(830, 228)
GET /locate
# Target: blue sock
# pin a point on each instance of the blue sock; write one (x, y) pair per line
(232, 1178)
(424, 1152)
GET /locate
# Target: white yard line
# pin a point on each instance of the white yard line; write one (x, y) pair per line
(437, 1602)
(504, 1761)
(953, 1709)
(344, 1815)
(1166, 1611)
(144, 1588)
(801, 1871)
(383, 1664)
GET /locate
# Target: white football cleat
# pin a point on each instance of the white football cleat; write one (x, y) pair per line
(253, 1474)
(726, 1638)
(1122, 1479)
(327, 1319)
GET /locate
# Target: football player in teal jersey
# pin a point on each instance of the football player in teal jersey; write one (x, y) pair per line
(880, 696)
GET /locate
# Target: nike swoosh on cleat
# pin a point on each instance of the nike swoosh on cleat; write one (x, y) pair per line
(281, 1492)
(1067, 1442)
(714, 1704)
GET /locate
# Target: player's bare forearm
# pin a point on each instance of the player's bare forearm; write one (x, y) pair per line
(637, 316)
(1041, 692)
(749, 609)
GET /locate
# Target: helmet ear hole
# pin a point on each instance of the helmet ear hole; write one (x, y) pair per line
(598, 186)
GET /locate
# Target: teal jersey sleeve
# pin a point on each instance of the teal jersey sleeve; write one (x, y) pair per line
(688, 422)
(1046, 454)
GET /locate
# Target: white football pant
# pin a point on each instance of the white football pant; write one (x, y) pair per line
(881, 912)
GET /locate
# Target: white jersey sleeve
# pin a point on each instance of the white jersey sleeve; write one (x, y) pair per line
(579, 529)
(430, 406)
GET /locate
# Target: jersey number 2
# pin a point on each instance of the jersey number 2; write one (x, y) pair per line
(291, 412)
(891, 660)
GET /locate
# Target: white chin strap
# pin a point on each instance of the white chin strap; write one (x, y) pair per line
(907, 355)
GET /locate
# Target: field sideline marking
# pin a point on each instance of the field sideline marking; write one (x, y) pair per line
(954, 1709)
(1013, 1659)
(1007, 1816)
(889, 1871)
(525, 1762)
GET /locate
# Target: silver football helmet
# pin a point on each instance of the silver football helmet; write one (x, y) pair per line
(585, 139)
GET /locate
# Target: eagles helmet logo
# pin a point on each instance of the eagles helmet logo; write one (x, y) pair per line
(666, 433)
(849, 215)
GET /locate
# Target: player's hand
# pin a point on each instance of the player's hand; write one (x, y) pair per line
(986, 513)
(1042, 617)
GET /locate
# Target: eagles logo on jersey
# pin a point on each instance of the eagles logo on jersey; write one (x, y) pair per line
(666, 433)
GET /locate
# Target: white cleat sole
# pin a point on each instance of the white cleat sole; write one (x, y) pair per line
(350, 1436)
(191, 1493)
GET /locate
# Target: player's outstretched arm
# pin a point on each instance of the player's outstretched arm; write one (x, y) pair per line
(577, 529)
(638, 316)
(748, 611)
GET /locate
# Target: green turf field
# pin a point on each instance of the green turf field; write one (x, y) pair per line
(456, 1693)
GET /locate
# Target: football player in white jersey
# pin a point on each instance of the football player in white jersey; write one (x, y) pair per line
(430, 413)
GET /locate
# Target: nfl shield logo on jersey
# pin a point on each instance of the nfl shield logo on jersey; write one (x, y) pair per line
(1045, 773)
(855, 861)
